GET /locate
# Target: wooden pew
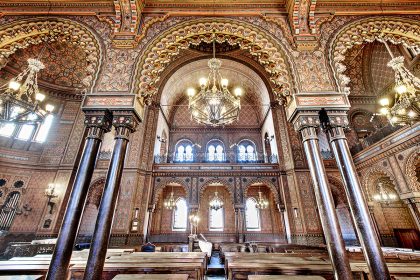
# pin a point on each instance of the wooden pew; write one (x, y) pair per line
(112, 269)
(150, 277)
(22, 277)
(192, 263)
(284, 277)
(240, 265)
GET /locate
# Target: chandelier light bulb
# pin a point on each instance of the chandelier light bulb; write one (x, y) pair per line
(384, 111)
(49, 108)
(412, 114)
(214, 101)
(224, 82)
(394, 119)
(384, 102)
(238, 92)
(40, 97)
(401, 88)
(203, 82)
(13, 85)
(195, 113)
(191, 92)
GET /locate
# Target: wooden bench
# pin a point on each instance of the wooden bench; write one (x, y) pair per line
(22, 277)
(151, 277)
(284, 277)
(193, 270)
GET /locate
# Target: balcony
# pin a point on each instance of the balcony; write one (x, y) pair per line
(228, 158)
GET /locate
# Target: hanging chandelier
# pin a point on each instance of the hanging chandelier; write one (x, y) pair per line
(170, 203)
(216, 203)
(405, 107)
(383, 195)
(261, 203)
(20, 98)
(214, 105)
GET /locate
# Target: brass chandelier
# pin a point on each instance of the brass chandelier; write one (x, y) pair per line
(214, 105)
(261, 203)
(20, 98)
(216, 202)
(170, 202)
(405, 107)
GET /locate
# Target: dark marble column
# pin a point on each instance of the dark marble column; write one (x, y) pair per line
(124, 125)
(284, 222)
(375, 224)
(324, 199)
(150, 211)
(414, 209)
(98, 123)
(359, 209)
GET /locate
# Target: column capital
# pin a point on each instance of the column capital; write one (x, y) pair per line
(98, 122)
(125, 119)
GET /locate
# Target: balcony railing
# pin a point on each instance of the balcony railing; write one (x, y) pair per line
(374, 138)
(215, 158)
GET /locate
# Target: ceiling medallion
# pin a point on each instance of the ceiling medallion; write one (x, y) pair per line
(214, 105)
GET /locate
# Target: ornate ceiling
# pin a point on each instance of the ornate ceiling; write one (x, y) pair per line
(65, 65)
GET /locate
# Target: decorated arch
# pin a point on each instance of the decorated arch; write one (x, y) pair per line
(24, 33)
(371, 175)
(263, 47)
(412, 162)
(229, 187)
(396, 30)
(170, 181)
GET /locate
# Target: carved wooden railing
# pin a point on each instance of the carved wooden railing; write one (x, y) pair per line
(222, 158)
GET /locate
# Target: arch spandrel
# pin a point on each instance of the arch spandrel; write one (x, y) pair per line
(23, 33)
(396, 30)
(265, 49)
(157, 191)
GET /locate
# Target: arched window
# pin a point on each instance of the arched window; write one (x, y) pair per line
(216, 219)
(8, 211)
(180, 153)
(252, 215)
(184, 151)
(215, 150)
(180, 215)
(246, 151)
(211, 153)
(27, 131)
(219, 153)
(188, 153)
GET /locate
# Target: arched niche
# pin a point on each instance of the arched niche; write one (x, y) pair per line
(270, 217)
(162, 222)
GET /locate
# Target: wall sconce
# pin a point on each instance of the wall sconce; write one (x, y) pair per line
(161, 139)
(268, 139)
(50, 194)
(295, 211)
